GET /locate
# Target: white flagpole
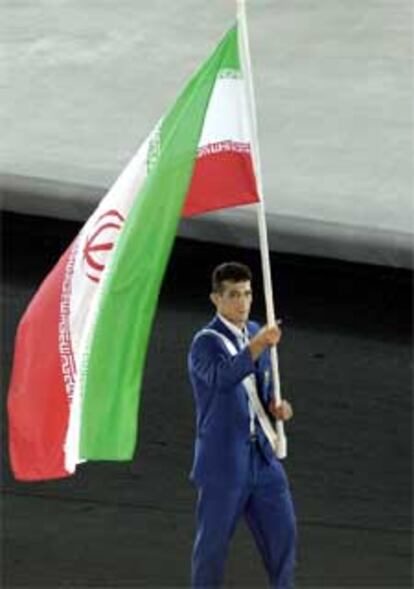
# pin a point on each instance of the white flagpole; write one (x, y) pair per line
(281, 449)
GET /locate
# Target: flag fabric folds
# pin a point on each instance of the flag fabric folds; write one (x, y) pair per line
(81, 345)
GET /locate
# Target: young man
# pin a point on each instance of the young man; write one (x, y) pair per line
(235, 469)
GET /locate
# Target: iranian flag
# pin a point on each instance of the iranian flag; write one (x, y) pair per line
(81, 345)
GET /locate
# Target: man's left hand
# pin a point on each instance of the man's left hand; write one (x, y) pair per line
(283, 411)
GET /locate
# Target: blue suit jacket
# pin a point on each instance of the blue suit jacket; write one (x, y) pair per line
(222, 445)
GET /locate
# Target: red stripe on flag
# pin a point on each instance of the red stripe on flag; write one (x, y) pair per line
(220, 181)
(38, 404)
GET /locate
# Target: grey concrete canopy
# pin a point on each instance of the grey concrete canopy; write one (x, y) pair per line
(83, 83)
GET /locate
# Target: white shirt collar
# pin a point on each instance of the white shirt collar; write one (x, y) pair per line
(239, 333)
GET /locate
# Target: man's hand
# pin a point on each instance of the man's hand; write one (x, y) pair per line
(283, 411)
(268, 336)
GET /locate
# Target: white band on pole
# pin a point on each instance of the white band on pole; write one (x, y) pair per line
(264, 245)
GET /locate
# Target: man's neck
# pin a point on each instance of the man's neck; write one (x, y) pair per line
(240, 327)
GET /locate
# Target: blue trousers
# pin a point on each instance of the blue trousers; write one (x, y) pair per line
(266, 504)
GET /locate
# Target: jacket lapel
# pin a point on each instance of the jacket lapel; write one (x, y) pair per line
(219, 326)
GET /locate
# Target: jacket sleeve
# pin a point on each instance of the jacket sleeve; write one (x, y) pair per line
(264, 372)
(211, 362)
(267, 383)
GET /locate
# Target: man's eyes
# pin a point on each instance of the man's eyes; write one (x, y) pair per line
(239, 295)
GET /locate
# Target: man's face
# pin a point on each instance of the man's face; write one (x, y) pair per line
(233, 301)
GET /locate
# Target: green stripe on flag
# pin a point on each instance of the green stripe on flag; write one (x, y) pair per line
(115, 362)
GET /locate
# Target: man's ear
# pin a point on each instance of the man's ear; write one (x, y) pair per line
(214, 298)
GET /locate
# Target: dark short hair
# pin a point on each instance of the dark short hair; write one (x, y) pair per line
(231, 271)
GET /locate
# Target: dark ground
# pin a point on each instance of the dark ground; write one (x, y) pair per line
(346, 364)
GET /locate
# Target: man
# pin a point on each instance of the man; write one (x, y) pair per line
(235, 469)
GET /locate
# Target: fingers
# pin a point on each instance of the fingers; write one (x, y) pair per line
(271, 335)
(267, 336)
(284, 411)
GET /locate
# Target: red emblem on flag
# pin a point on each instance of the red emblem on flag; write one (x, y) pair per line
(100, 242)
